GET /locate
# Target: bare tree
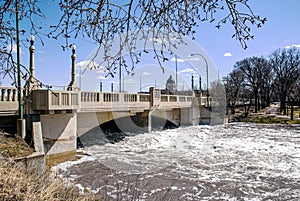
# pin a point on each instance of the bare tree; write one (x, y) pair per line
(234, 86)
(27, 13)
(218, 98)
(286, 66)
(294, 98)
(256, 70)
(104, 20)
(265, 81)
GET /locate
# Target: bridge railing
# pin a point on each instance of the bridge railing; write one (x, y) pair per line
(202, 101)
(114, 101)
(8, 94)
(8, 100)
(175, 101)
(48, 100)
(44, 99)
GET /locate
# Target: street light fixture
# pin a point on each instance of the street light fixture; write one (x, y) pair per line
(206, 65)
(21, 121)
(120, 73)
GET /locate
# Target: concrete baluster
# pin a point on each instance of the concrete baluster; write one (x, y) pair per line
(82, 96)
(3, 94)
(14, 97)
(8, 95)
(98, 97)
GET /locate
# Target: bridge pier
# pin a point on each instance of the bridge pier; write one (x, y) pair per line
(190, 116)
(59, 134)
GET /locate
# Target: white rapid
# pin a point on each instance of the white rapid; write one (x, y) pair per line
(233, 162)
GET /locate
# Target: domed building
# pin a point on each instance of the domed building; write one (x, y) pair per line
(170, 85)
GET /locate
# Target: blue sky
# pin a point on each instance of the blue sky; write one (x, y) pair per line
(53, 66)
(281, 30)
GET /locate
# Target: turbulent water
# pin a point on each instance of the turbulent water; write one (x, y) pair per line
(233, 162)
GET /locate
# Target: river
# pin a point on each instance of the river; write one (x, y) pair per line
(238, 161)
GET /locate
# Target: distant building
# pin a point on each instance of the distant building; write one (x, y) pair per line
(170, 85)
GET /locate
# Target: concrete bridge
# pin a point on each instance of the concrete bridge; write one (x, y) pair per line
(55, 119)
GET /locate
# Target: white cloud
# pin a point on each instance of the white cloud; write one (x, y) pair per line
(130, 81)
(188, 70)
(12, 48)
(163, 40)
(101, 70)
(89, 64)
(196, 57)
(78, 75)
(190, 58)
(146, 73)
(291, 46)
(228, 54)
(41, 52)
(178, 60)
(101, 77)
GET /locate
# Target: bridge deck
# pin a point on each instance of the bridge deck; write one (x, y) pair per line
(82, 101)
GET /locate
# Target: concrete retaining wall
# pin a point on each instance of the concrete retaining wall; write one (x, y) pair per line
(33, 163)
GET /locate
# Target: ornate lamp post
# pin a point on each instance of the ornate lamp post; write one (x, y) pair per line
(32, 80)
(206, 65)
(73, 85)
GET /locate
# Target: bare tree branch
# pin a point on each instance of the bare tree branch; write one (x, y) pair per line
(103, 21)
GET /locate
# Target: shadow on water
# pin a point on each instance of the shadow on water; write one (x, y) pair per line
(110, 132)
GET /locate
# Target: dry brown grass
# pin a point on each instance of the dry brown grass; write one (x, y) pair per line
(13, 146)
(17, 184)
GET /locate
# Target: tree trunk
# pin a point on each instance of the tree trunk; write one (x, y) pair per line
(255, 102)
(268, 101)
(258, 102)
(292, 110)
(282, 105)
(233, 108)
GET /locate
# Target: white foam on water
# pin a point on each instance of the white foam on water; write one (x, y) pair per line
(238, 153)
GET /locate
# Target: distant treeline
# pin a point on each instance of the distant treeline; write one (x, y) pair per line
(258, 81)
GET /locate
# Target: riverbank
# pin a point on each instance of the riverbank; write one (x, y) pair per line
(19, 183)
(269, 115)
(12, 146)
(267, 119)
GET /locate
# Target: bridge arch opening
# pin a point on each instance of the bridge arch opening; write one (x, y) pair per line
(110, 131)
